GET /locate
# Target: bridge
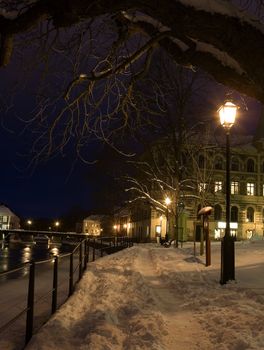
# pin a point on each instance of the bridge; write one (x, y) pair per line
(108, 244)
(28, 235)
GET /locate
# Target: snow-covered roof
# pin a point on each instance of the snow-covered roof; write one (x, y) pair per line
(94, 217)
(6, 211)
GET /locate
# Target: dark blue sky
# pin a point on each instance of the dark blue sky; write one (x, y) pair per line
(52, 188)
(49, 191)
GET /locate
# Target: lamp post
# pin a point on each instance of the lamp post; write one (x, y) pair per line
(227, 114)
(167, 203)
(179, 210)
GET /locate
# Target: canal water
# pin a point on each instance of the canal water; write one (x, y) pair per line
(15, 254)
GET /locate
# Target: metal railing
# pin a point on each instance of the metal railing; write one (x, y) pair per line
(85, 251)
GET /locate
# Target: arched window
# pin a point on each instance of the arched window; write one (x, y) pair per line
(250, 165)
(234, 164)
(218, 163)
(217, 212)
(234, 214)
(201, 161)
(250, 214)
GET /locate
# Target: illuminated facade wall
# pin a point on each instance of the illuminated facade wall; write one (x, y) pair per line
(247, 192)
(8, 220)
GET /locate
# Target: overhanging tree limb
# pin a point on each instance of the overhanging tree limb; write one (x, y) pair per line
(239, 36)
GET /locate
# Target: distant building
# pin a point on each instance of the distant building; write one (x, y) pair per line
(8, 220)
(93, 225)
(133, 221)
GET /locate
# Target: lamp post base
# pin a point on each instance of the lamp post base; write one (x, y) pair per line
(227, 259)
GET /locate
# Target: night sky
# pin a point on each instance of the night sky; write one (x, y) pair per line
(50, 190)
(53, 187)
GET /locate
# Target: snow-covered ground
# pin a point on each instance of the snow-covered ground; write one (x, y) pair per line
(150, 297)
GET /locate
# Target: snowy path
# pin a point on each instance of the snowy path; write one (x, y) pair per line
(149, 297)
(180, 330)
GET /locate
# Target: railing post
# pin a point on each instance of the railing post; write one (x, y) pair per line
(55, 285)
(71, 275)
(30, 302)
(80, 261)
(93, 249)
(88, 251)
(85, 255)
(102, 253)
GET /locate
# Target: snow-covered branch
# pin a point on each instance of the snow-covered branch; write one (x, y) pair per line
(218, 36)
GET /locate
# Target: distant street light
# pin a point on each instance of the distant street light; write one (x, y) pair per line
(167, 202)
(29, 223)
(57, 224)
(227, 114)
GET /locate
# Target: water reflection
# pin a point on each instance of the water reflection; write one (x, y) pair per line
(55, 251)
(16, 254)
(26, 254)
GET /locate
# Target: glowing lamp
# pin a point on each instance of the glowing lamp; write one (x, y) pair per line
(227, 113)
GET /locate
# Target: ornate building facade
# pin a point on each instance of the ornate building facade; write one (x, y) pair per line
(208, 173)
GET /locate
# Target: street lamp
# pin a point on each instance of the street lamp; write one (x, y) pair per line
(227, 114)
(29, 222)
(167, 202)
(57, 224)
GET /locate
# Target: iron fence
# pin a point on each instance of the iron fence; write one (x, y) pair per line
(63, 271)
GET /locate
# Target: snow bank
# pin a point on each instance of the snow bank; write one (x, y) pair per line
(150, 297)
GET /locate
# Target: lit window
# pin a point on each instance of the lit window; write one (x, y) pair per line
(234, 187)
(263, 190)
(218, 186)
(202, 186)
(250, 189)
